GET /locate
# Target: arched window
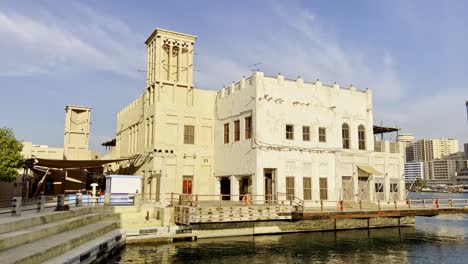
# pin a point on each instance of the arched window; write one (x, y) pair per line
(362, 137)
(345, 135)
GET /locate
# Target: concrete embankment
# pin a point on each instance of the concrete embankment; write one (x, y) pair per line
(209, 230)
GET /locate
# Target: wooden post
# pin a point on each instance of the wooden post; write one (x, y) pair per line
(360, 205)
(378, 205)
(395, 202)
(321, 205)
(424, 203)
(196, 200)
(409, 203)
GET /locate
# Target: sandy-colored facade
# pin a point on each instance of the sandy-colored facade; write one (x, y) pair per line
(170, 125)
(263, 135)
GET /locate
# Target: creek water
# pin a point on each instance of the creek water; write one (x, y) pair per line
(440, 239)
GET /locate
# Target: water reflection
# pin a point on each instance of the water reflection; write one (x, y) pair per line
(441, 239)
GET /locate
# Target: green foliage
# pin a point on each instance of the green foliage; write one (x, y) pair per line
(10, 155)
(418, 185)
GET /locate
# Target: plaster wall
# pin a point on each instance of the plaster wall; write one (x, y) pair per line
(273, 103)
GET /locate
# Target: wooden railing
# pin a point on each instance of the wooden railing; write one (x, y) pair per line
(220, 199)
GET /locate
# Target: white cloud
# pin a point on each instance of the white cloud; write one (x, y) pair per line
(47, 44)
(294, 42)
(433, 116)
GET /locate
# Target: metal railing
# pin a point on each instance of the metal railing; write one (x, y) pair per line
(437, 203)
(300, 205)
(63, 202)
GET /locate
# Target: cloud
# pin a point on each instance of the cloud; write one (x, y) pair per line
(296, 41)
(293, 41)
(434, 116)
(47, 44)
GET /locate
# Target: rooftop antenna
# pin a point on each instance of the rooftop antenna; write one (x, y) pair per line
(253, 65)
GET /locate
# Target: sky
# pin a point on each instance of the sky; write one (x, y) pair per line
(413, 55)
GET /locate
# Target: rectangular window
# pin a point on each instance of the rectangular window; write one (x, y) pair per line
(290, 187)
(290, 132)
(306, 133)
(393, 187)
(187, 185)
(307, 183)
(226, 133)
(378, 187)
(322, 134)
(248, 127)
(189, 134)
(323, 189)
(236, 130)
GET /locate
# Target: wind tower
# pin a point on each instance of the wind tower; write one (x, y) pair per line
(76, 137)
(170, 61)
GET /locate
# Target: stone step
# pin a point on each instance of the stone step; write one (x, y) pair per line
(14, 223)
(93, 251)
(49, 247)
(19, 237)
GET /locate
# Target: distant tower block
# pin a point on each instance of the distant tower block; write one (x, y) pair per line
(408, 140)
(76, 138)
(170, 58)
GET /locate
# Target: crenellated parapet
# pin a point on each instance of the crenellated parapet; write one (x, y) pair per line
(280, 90)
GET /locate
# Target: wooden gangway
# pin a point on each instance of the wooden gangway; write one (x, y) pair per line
(193, 209)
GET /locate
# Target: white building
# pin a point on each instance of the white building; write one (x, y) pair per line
(413, 171)
(313, 141)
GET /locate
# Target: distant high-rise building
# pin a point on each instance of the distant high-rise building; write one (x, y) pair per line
(431, 149)
(442, 172)
(414, 170)
(466, 150)
(407, 139)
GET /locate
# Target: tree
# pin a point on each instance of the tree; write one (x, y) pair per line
(10, 155)
(418, 185)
